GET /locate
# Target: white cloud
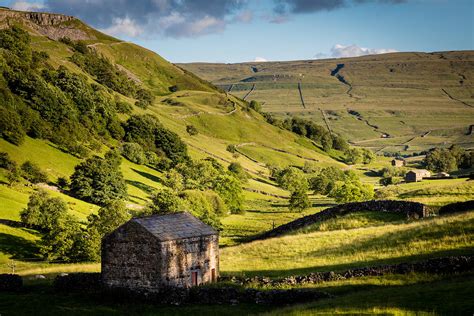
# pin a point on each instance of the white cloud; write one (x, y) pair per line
(125, 26)
(339, 50)
(260, 60)
(27, 6)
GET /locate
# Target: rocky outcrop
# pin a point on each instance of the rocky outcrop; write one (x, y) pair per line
(53, 26)
(410, 209)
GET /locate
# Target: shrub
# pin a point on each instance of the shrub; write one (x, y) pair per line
(33, 173)
(6, 162)
(255, 106)
(191, 130)
(230, 190)
(134, 152)
(231, 148)
(10, 126)
(299, 200)
(238, 171)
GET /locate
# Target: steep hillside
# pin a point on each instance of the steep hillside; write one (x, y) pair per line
(68, 93)
(404, 102)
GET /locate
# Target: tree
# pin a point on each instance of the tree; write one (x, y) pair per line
(367, 156)
(43, 211)
(33, 173)
(230, 190)
(352, 191)
(174, 180)
(109, 217)
(238, 171)
(444, 160)
(292, 179)
(99, 180)
(299, 200)
(340, 143)
(353, 156)
(201, 206)
(134, 152)
(165, 201)
(10, 126)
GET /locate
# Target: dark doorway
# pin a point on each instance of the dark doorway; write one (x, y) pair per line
(213, 275)
(194, 278)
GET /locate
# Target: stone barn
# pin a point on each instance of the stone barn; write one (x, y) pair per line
(397, 162)
(158, 251)
(417, 175)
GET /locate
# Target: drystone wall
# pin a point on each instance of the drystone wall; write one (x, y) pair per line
(444, 265)
(410, 209)
(457, 207)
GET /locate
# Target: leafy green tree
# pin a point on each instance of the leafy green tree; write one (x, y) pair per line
(299, 200)
(367, 156)
(238, 171)
(352, 191)
(340, 143)
(443, 160)
(43, 211)
(293, 179)
(165, 201)
(230, 190)
(201, 206)
(174, 180)
(354, 156)
(58, 242)
(33, 173)
(6, 162)
(10, 126)
(99, 180)
(134, 152)
(171, 144)
(109, 218)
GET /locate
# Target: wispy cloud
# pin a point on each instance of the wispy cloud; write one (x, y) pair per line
(339, 50)
(27, 6)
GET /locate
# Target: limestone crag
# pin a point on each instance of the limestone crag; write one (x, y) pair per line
(53, 26)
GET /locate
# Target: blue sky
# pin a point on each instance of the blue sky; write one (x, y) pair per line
(243, 30)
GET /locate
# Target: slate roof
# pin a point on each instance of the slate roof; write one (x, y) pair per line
(175, 226)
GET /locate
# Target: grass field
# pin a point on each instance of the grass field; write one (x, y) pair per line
(390, 93)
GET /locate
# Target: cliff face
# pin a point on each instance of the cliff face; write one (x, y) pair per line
(53, 26)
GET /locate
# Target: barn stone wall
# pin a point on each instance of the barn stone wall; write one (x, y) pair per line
(131, 258)
(184, 256)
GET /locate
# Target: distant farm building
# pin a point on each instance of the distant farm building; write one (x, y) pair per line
(153, 252)
(417, 175)
(441, 175)
(397, 162)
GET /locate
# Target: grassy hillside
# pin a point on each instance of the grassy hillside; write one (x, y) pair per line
(363, 98)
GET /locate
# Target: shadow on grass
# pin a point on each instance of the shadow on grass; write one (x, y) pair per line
(142, 186)
(148, 175)
(17, 247)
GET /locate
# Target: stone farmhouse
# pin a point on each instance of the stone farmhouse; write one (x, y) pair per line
(154, 252)
(417, 175)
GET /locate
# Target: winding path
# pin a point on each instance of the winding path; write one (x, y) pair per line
(248, 93)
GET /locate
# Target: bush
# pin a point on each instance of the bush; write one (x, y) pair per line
(231, 148)
(10, 282)
(255, 106)
(33, 173)
(191, 130)
(10, 126)
(134, 152)
(230, 190)
(238, 171)
(6, 162)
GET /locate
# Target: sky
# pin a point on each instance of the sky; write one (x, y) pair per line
(271, 30)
